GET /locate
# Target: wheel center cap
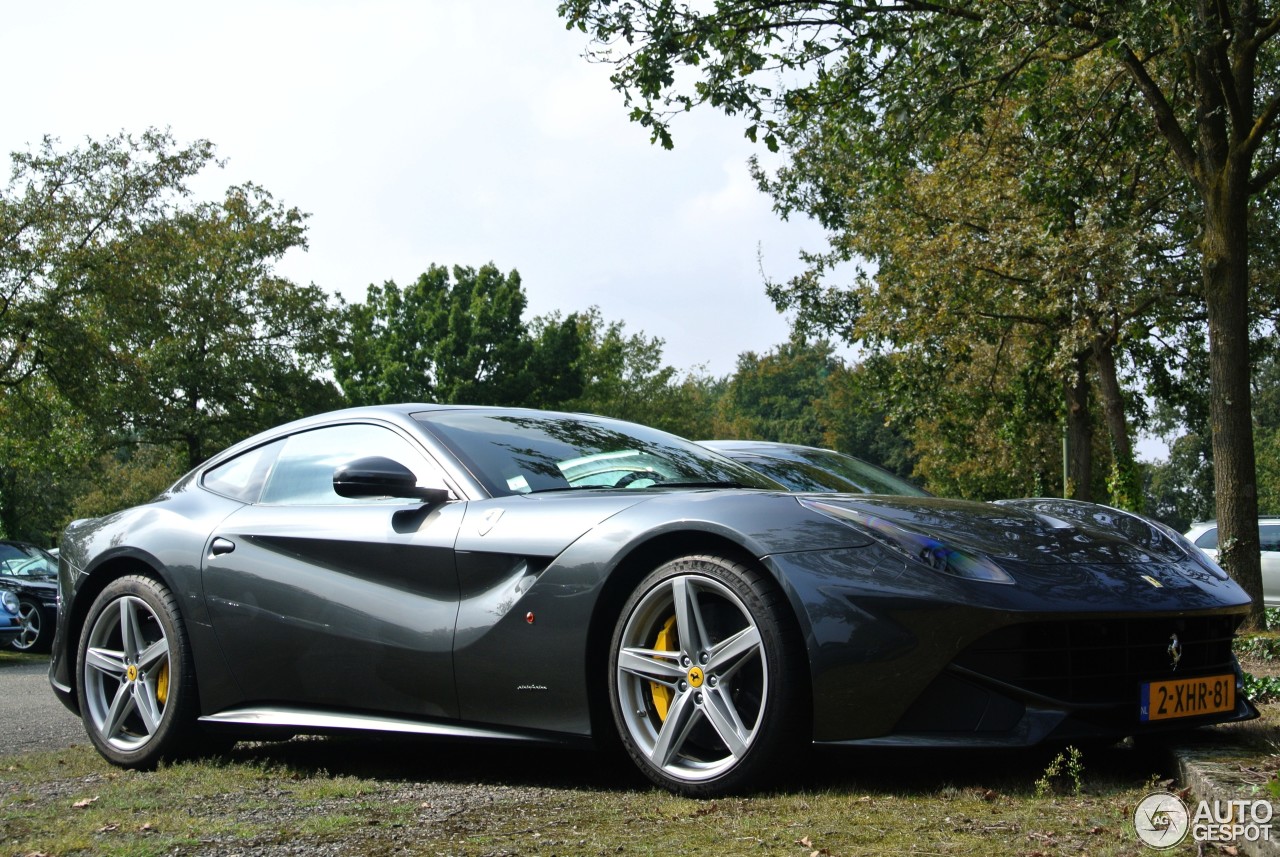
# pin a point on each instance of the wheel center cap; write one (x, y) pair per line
(695, 677)
(131, 673)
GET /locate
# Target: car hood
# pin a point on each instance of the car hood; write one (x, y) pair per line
(1040, 532)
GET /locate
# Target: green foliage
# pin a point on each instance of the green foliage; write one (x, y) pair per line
(441, 339)
(1258, 646)
(623, 375)
(43, 441)
(1065, 771)
(62, 214)
(1179, 491)
(773, 396)
(979, 430)
(858, 416)
(132, 315)
(131, 476)
(1262, 689)
(1124, 484)
(212, 345)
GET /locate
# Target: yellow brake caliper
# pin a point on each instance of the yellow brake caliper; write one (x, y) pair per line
(162, 685)
(660, 693)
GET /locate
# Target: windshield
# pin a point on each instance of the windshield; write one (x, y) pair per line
(523, 452)
(17, 560)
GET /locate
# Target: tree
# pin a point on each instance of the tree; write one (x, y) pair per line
(44, 441)
(858, 415)
(623, 376)
(999, 239)
(774, 396)
(61, 216)
(210, 343)
(439, 340)
(1179, 491)
(64, 215)
(902, 78)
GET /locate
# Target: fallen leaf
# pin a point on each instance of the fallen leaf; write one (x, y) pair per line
(81, 804)
(1231, 850)
(147, 828)
(107, 828)
(806, 842)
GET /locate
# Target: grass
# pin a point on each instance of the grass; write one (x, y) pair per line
(371, 797)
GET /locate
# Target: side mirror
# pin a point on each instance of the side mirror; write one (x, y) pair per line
(377, 476)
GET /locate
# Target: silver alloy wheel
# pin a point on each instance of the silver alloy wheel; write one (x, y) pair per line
(29, 616)
(692, 677)
(126, 673)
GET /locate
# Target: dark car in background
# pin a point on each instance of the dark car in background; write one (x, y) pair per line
(31, 573)
(522, 575)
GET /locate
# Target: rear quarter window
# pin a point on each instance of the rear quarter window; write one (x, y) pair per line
(242, 477)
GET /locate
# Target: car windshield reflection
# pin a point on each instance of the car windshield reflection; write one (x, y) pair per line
(515, 452)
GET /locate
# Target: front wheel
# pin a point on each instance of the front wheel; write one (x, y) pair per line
(707, 677)
(135, 676)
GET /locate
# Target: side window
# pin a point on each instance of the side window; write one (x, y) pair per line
(1208, 539)
(1269, 535)
(241, 478)
(303, 472)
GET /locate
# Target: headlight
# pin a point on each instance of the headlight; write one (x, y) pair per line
(917, 546)
(10, 601)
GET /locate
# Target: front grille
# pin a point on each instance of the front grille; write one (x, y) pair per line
(1101, 661)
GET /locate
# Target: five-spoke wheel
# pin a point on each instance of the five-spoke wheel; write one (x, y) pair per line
(35, 637)
(134, 674)
(703, 676)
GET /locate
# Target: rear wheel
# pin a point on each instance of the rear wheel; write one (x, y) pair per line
(134, 675)
(707, 677)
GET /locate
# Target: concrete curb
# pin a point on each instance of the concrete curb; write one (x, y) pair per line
(1220, 773)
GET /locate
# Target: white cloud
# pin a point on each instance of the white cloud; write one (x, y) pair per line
(419, 133)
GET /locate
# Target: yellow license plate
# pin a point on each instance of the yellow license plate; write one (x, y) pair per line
(1187, 697)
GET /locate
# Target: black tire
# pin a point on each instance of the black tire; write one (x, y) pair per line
(728, 705)
(37, 634)
(134, 675)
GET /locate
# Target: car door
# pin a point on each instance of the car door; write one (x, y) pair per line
(328, 602)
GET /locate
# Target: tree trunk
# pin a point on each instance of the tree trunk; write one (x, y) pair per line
(1125, 482)
(1225, 271)
(1079, 434)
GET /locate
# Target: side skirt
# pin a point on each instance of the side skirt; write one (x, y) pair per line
(306, 720)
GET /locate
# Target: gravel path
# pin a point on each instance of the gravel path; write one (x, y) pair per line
(33, 717)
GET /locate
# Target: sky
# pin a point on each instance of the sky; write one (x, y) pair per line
(448, 132)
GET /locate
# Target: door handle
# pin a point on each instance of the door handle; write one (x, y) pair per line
(221, 546)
